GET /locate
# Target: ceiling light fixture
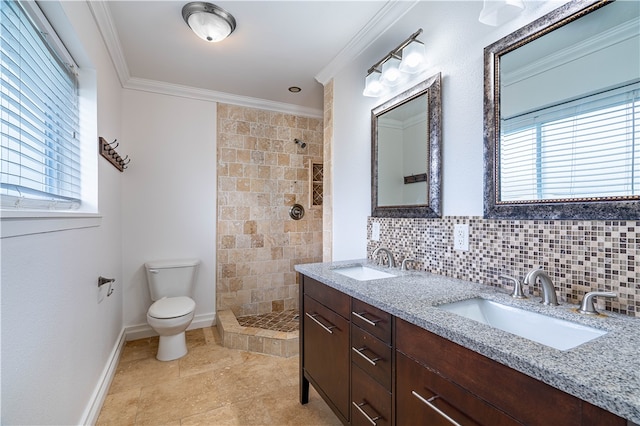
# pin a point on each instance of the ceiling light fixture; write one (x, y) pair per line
(209, 22)
(497, 12)
(408, 58)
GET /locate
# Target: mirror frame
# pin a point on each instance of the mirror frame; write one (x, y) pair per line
(432, 88)
(619, 209)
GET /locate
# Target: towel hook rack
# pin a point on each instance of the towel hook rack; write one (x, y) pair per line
(108, 151)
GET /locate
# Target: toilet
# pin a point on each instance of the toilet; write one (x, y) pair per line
(171, 285)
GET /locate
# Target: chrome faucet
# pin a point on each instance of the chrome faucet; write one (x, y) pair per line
(376, 252)
(549, 296)
(406, 260)
(587, 306)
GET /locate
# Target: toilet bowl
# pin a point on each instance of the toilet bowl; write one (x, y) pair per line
(170, 317)
(170, 286)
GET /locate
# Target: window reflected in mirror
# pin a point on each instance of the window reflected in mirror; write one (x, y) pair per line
(562, 115)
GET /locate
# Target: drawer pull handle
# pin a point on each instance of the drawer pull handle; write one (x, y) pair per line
(360, 352)
(371, 420)
(327, 329)
(360, 315)
(433, 407)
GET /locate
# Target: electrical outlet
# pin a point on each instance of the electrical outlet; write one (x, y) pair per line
(375, 231)
(461, 237)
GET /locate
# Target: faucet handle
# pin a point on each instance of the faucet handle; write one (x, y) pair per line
(403, 267)
(588, 307)
(518, 292)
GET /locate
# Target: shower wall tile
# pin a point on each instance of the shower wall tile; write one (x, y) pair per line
(261, 174)
(580, 256)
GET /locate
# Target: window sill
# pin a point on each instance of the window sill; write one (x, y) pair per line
(16, 223)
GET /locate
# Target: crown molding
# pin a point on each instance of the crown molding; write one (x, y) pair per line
(388, 15)
(213, 96)
(571, 53)
(104, 21)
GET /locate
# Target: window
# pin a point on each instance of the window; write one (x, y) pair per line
(40, 161)
(587, 148)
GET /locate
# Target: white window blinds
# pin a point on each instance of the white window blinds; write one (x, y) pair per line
(587, 148)
(40, 147)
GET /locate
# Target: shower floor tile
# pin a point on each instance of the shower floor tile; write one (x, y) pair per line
(286, 321)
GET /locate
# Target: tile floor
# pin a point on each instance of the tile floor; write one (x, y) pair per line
(211, 385)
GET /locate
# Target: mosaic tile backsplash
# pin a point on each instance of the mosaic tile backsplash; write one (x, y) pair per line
(579, 256)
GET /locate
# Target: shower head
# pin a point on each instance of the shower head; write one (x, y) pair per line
(299, 142)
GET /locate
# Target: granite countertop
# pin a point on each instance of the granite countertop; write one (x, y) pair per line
(604, 371)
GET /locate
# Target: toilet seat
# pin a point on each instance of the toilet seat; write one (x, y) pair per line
(171, 307)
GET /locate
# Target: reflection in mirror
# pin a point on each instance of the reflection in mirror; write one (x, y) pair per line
(406, 153)
(562, 115)
(402, 154)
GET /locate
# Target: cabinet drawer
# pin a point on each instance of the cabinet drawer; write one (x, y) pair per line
(423, 397)
(370, 402)
(372, 355)
(526, 399)
(372, 320)
(326, 353)
(330, 297)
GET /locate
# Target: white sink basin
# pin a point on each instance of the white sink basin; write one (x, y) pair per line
(362, 273)
(549, 331)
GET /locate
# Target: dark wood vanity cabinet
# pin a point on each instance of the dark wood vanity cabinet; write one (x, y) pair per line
(324, 345)
(374, 369)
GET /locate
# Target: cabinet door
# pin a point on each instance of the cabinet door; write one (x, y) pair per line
(425, 398)
(326, 353)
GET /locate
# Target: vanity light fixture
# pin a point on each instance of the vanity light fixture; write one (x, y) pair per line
(210, 22)
(408, 58)
(497, 12)
(372, 85)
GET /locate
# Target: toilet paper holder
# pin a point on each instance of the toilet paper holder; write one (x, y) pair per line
(102, 281)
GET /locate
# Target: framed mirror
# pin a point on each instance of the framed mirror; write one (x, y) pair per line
(562, 115)
(406, 153)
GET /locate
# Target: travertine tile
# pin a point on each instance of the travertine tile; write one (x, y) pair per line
(143, 372)
(119, 408)
(207, 358)
(183, 397)
(139, 349)
(258, 181)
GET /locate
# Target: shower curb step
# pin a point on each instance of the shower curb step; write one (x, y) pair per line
(269, 342)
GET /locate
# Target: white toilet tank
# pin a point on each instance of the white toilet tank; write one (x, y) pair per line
(171, 278)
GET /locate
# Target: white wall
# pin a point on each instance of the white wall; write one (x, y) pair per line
(56, 338)
(454, 41)
(168, 196)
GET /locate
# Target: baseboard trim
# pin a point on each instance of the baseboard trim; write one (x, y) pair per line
(91, 413)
